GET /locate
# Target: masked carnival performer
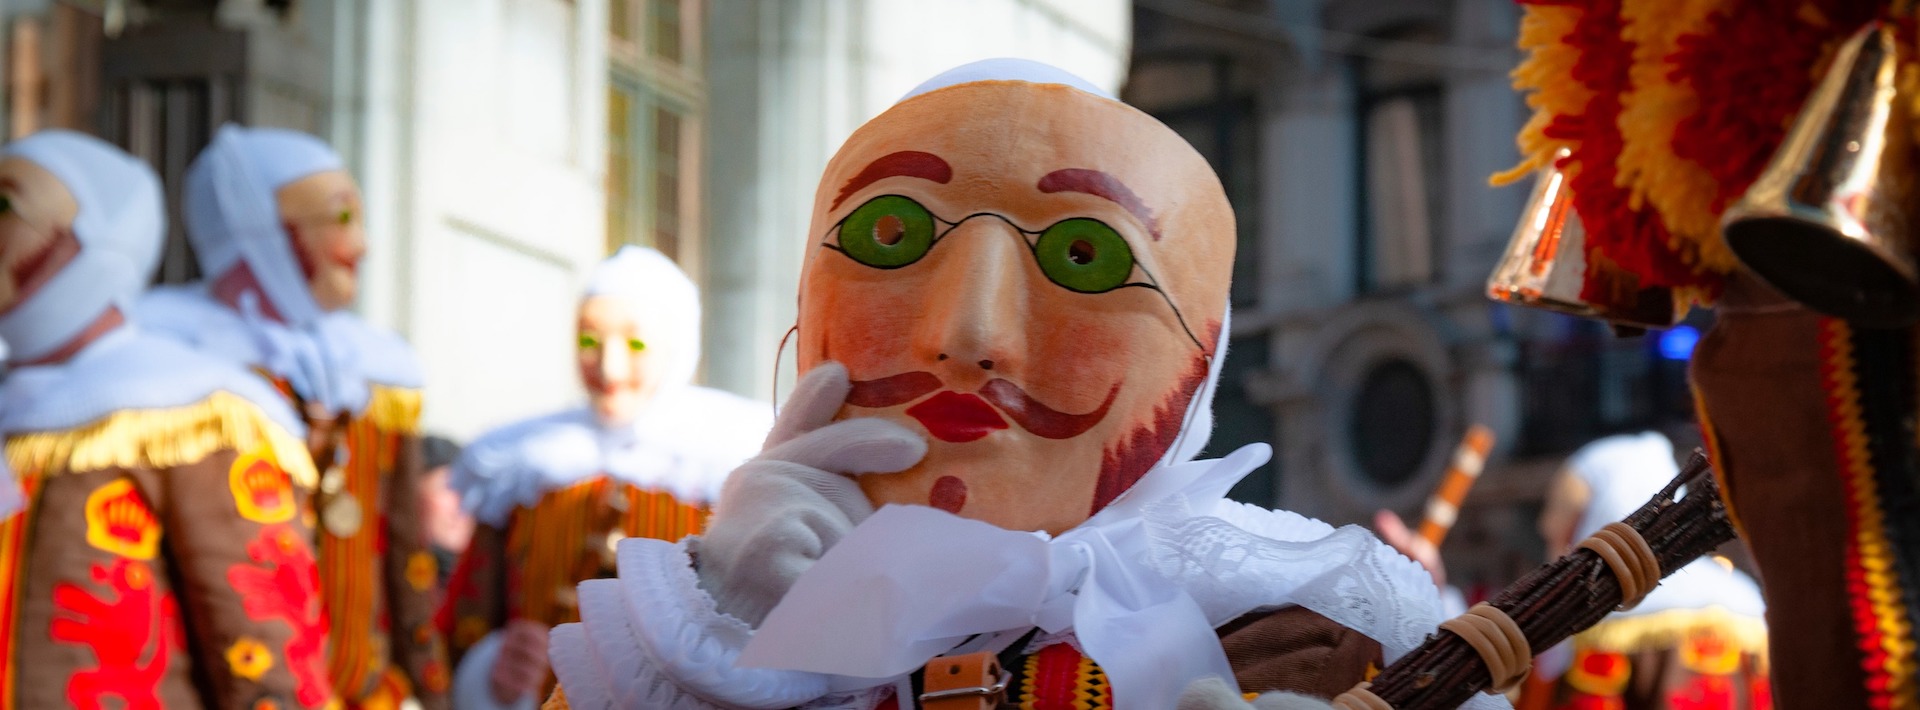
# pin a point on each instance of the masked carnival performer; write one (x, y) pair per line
(275, 221)
(1758, 157)
(158, 558)
(552, 495)
(1699, 640)
(1012, 320)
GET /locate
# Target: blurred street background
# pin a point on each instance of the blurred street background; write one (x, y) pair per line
(505, 146)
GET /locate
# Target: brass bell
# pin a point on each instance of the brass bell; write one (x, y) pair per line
(1545, 265)
(1826, 223)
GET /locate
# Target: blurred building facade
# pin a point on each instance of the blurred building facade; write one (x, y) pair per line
(1355, 138)
(505, 146)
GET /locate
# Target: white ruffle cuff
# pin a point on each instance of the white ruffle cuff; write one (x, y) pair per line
(653, 638)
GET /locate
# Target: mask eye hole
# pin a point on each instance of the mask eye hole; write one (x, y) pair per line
(636, 344)
(589, 341)
(887, 232)
(1084, 255)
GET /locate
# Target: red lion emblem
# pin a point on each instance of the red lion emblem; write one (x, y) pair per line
(121, 627)
(285, 587)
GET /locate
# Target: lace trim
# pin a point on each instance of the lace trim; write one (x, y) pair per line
(685, 637)
(1236, 558)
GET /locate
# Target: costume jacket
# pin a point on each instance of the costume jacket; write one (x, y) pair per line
(360, 399)
(555, 494)
(162, 555)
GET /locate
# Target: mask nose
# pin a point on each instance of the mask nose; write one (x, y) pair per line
(975, 326)
(615, 361)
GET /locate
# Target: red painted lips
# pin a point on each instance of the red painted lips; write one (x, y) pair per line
(958, 418)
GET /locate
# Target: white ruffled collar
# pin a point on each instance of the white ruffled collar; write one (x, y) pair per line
(1165, 564)
(686, 444)
(334, 361)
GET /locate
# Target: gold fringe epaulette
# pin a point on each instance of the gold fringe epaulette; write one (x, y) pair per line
(1666, 629)
(161, 438)
(395, 410)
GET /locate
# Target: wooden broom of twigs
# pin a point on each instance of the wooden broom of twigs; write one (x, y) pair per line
(1565, 596)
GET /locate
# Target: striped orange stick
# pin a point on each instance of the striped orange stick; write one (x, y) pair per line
(1443, 508)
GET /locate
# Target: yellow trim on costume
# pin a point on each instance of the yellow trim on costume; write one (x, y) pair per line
(394, 410)
(1667, 629)
(1716, 461)
(161, 438)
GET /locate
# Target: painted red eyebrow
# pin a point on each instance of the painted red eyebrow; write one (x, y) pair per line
(907, 163)
(1099, 184)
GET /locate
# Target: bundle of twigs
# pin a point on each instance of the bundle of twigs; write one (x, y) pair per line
(1565, 596)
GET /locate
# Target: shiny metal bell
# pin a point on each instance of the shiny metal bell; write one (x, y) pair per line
(1827, 222)
(1545, 265)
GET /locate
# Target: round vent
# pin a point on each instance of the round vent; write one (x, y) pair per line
(1391, 425)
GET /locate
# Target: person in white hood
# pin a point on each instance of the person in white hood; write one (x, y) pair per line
(277, 226)
(1697, 640)
(151, 550)
(1013, 315)
(552, 495)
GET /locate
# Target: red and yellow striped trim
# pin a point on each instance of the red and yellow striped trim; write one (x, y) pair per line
(559, 545)
(1059, 678)
(350, 567)
(1715, 460)
(13, 536)
(1873, 586)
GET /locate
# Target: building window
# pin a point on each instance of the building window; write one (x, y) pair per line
(664, 30)
(1402, 138)
(649, 164)
(620, 21)
(666, 180)
(620, 222)
(656, 97)
(1402, 179)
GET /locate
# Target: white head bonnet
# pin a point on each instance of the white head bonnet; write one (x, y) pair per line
(232, 214)
(120, 227)
(662, 297)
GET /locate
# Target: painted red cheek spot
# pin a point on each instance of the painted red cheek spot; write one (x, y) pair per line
(949, 494)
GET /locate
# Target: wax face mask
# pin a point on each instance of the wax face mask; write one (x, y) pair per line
(620, 371)
(1032, 276)
(36, 217)
(322, 215)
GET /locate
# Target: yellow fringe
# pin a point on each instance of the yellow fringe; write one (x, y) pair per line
(395, 410)
(1545, 76)
(1681, 191)
(1666, 629)
(161, 438)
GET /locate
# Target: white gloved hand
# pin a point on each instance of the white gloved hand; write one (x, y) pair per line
(1214, 694)
(779, 512)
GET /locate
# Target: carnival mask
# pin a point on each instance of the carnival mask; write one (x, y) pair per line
(322, 215)
(617, 367)
(1031, 275)
(36, 238)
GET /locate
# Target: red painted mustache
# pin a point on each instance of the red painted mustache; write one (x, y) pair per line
(1024, 409)
(34, 271)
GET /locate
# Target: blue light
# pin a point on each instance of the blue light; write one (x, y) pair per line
(1677, 343)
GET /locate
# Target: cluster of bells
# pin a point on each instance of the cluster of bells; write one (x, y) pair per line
(1825, 224)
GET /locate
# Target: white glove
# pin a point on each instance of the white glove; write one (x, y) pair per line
(779, 512)
(1214, 694)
